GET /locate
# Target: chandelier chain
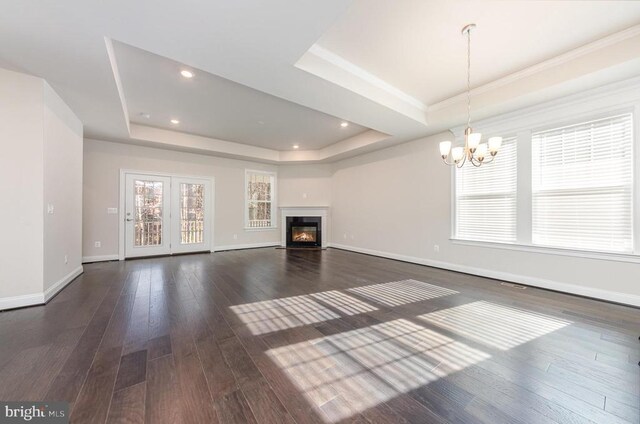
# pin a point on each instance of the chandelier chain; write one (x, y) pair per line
(469, 77)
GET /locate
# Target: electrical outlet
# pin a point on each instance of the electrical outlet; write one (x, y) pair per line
(352, 236)
(436, 248)
(235, 237)
(98, 244)
(304, 195)
(66, 259)
(345, 236)
(112, 211)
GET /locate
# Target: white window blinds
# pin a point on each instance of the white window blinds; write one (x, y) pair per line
(486, 198)
(582, 185)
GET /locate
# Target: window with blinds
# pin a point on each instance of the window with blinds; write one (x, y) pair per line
(485, 204)
(582, 185)
(259, 195)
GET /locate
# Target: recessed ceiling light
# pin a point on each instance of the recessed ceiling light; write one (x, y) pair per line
(295, 146)
(344, 124)
(186, 74)
(175, 121)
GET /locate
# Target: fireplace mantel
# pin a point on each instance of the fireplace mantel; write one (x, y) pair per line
(321, 211)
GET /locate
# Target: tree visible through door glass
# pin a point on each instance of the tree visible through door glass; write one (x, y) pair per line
(148, 213)
(191, 213)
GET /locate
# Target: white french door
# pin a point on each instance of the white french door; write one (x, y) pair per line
(190, 215)
(166, 215)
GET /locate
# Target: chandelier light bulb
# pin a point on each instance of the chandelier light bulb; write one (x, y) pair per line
(457, 153)
(481, 152)
(494, 144)
(474, 140)
(445, 148)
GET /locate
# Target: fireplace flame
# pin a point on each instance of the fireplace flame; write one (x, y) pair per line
(304, 237)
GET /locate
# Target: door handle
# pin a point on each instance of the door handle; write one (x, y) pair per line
(129, 219)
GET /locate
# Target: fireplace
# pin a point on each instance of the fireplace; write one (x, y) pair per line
(304, 231)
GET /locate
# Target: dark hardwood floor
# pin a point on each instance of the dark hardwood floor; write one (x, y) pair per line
(278, 336)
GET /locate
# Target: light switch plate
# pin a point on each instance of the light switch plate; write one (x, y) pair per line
(112, 211)
(50, 209)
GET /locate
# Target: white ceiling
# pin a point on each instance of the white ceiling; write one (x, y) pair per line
(417, 47)
(216, 107)
(305, 65)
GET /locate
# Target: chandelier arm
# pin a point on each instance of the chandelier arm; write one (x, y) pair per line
(462, 162)
(475, 162)
(447, 163)
(490, 160)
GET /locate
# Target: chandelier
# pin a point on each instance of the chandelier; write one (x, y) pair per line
(474, 151)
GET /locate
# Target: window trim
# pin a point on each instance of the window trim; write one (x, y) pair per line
(274, 192)
(617, 98)
(547, 250)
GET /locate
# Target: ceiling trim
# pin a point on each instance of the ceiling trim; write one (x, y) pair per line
(337, 70)
(619, 95)
(116, 76)
(176, 140)
(542, 66)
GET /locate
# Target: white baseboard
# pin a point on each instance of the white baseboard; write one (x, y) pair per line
(21, 301)
(101, 258)
(245, 246)
(39, 298)
(62, 283)
(611, 296)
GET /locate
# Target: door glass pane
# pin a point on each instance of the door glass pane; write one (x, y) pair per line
(191, 213)
(148, 213)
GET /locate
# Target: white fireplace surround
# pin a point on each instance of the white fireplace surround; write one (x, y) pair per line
(321, 211)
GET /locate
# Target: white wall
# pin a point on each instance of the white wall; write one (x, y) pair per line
(397, 202)
(21, 185)
(62, 189)
(41, 164)
(102, 163)
(304, 185)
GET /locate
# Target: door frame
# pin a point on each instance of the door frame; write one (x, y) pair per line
(122, 203)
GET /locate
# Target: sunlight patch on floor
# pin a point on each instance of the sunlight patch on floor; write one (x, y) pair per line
(344, 303)
(289, 312)
(494, 325)
(347, 373)
(398, 293)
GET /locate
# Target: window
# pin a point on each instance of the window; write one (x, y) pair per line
(486, 198)
(582, 185)
(260, 203)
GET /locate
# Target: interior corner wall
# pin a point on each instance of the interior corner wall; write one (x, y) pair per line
(62, 190)
(21, 188)
(103, 161)
(396, 202)
(304, 185)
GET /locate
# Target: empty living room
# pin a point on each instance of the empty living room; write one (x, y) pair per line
(327, 212)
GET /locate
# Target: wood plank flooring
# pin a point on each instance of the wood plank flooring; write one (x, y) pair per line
(295, 336)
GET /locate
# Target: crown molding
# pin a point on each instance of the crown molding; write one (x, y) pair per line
(361, 73)
(542, 66)
(335, 69)
(116, 76)
(618, 95)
